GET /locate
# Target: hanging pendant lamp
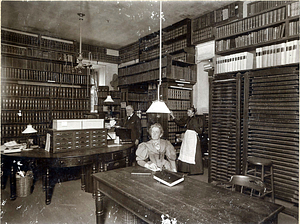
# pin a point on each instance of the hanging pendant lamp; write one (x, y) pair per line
(80, 58)
(159, 106)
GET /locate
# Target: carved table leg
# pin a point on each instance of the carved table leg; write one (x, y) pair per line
(99, 207)
(92, 179)
(83, 179)
(48, 188)
(13, 195)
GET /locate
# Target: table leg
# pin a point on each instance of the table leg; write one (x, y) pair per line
(4, 176)
(94, 170)
(99, 207)
(48, 188)
(13, 195)
(83, 180)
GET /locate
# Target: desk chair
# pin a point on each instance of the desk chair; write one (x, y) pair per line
(263, 168)
(251, 185)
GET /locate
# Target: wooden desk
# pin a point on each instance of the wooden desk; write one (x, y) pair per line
(191, 201)
(102, 159)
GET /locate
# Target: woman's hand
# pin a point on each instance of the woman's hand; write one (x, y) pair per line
(152, 166)
(172, 115)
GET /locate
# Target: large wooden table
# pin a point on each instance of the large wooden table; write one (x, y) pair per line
(90, 161)
(191, 201)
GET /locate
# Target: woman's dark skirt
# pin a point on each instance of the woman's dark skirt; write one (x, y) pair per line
(193, 168)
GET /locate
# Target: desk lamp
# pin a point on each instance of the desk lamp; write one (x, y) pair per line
(29, 130)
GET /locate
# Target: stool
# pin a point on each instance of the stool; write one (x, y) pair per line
(257, 164)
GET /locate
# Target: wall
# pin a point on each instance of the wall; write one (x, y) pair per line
(204, 52)
(105, 70)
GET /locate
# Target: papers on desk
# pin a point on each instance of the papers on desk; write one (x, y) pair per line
(12, 147)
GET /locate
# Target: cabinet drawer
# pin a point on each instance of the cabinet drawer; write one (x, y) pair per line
(62, 148)
(98, 144)
(69, 162)
(101, 131)
(116, 164)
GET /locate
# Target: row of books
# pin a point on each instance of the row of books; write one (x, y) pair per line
(13, 89)
(44, 104)
(58, 45)
(99, 56)
(69, 104)
(277, 54)
(179, 94)
(75, 114)
(179, 104)
(142, 77)
(129, 52)
(173, 127)
(294, 28)
(37, 65)
(204, 21)
(251, 38)
(19, 37)
(27, 117)
(166, 49)
(92, 48)
(173, 34)
(234, 62)
(251, 23)
(34, 52)
(294, 9)
(142, 67)
(15, 130)
(24, 104)
(202, 34)
(185, 73)
(137, 97)
(184, 57)
(267, 56)
(43, 76)
(257, 7)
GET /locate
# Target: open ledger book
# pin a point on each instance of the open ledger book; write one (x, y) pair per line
(168, 178)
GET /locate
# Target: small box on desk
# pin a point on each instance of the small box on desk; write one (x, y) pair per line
(92, 123)
(76, 124)
(73, 124)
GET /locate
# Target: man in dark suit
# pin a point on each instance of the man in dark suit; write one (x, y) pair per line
(133, 122)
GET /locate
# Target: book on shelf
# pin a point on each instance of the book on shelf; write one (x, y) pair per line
(168, 178)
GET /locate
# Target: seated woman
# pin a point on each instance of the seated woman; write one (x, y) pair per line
(157, 153)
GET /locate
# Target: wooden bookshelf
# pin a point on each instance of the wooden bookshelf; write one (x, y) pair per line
(253, 104)
(39, 83)
(273, 26)
(175, 39)
(203, 27)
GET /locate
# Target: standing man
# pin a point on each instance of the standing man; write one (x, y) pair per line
(133, 122)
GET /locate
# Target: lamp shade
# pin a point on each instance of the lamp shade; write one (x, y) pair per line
(158, 106)
(29, 130)
(108, 99)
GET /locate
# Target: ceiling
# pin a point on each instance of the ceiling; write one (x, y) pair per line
(110, 24)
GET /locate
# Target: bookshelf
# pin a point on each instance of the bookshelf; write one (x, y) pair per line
(97, 53)
(138, 84)
(276, 25)
(203, 27)
(107, 110)
(39, 83)
(254, 95)
(176, 39)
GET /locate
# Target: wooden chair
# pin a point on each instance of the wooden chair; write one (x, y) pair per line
(248, 185)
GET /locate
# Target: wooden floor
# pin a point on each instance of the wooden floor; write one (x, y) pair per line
(69, 205)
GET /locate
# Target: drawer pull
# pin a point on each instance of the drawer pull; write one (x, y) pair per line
(61, 162)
